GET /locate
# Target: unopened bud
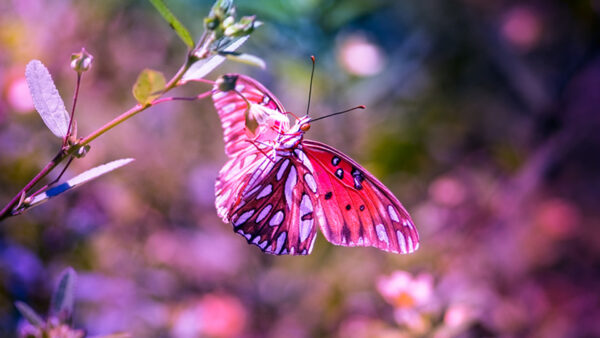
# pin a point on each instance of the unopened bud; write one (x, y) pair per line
(82, 61)
(228, 22)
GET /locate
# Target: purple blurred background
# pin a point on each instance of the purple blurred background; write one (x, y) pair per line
(481, 117)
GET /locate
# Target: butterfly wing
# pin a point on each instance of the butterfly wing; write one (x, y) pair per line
(275, 212)
(239, 99)
(354, 208)
(234, 177)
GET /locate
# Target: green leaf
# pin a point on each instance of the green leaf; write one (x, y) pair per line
(63, 298)
(32, 317)
(247, 59)
(46, 98)
(181, 31)
(148, 86)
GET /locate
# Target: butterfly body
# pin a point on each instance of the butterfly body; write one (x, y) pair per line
(278, 187)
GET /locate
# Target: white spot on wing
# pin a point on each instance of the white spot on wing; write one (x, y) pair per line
(264, 165)
(304, 159)
(381, 234)
(263, 213)
(282, 169)
(247, 160)
(393, 214)
(229, 108)
(410, 245)
(312, 244)
(310, 181)
(243, 217)
(401, 241)
(280, 241)
(265, 192)
(290, 183)
(263, 245)
(254, 190)
(276, 219)
(305, 225)
(305, 205)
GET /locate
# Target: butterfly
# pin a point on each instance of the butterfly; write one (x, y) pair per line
(278, 187)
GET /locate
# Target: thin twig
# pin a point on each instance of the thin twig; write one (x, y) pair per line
(64, 152)
(75, 96)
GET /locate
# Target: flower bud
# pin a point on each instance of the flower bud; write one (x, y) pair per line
(228, 22)
(82, 61)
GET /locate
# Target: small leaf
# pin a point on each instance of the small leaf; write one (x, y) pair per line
(46, 98)
(77, 180)
(181, 31)
(203, 67)
(63, 298)
(148, 86)
(32, 317)
(247, 59)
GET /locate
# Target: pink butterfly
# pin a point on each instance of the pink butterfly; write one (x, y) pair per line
(277, 187)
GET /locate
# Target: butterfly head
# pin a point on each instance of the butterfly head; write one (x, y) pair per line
(303, 124)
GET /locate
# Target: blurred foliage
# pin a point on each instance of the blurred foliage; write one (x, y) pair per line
(481, 118)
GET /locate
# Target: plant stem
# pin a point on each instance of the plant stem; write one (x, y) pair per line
(75, 96)
(7, 210)
(67, 151)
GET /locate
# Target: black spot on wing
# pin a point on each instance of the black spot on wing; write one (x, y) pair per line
(328, 195)
(358, 178)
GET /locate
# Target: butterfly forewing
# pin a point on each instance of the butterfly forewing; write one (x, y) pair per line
(237, 96)
(234, 177)
(354, 208)
(276, 213)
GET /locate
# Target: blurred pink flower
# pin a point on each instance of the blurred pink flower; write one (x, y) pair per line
(557, 218)
(358, 56)
(522, 27)
(409, 295)
(18, 97)
(457, 315)
(214, 315)
(364, 327)
(402, 290)
(53, 329)
(447, 191)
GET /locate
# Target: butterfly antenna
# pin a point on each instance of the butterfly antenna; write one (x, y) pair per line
(338, 113)
(312, 73)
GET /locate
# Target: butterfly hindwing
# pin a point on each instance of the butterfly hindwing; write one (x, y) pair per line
(276, 214)
(354, 208)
